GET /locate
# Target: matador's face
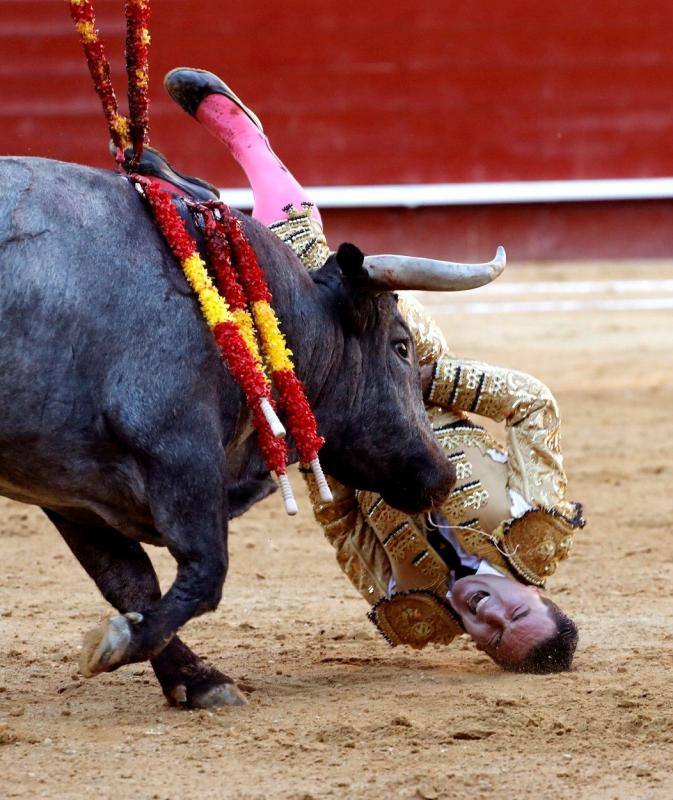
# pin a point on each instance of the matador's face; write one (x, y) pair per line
(505, 618)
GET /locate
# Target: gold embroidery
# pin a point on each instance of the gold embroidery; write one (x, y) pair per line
(469, 496)
(383, 518)
(447, 375)
(431, 566)
(427, 335)
(359, 553)
(460, 464)
(414, 564)
(402, 543)
(466, 436)
(304, 235)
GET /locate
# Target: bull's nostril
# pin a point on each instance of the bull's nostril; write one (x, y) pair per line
(439, 496)
(442, 489)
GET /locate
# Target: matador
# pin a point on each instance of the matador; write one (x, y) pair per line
(478, 563)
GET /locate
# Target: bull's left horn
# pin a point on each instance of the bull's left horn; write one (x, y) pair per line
(408, 272)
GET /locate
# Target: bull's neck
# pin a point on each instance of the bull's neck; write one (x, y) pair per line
(310, 325)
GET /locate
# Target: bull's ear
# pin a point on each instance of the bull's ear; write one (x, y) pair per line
(351, 295)
(350, 260)
(357, 312)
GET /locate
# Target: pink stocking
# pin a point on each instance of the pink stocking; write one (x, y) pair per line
(273, 185)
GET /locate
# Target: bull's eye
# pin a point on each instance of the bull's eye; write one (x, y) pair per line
(402, 350)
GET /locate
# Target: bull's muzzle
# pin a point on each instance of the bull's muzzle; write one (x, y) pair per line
(418, 490)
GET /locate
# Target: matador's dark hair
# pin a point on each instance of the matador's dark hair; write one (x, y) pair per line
(554, 654)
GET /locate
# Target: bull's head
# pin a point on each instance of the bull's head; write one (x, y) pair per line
(369, 403)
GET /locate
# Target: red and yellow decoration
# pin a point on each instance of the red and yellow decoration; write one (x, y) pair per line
(233, 335)
(85, 23)
(239, 309)
(292, 398)
(137, 70)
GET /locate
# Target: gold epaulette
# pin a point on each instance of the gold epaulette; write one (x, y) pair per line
(416, 618)
(536, 542)
(529, 547)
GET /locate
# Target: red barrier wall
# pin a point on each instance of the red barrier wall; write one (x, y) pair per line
(374, 92)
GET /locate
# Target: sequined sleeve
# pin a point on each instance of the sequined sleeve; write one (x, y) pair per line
(530, 413)
(358, 551)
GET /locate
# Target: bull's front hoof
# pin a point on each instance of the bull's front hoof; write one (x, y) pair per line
(218, 696)
(104, 647)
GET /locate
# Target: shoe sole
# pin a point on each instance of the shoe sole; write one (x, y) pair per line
(189, 94)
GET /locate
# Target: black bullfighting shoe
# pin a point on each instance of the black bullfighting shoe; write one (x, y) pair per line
(189, 87)
(154, 164)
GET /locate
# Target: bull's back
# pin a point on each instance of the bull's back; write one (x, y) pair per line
(96, 324)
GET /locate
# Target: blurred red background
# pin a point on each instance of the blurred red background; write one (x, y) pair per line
(380, 93)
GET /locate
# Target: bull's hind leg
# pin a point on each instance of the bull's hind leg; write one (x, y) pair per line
(187, 500)
(126, 578)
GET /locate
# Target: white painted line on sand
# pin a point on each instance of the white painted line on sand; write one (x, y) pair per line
(651, 286)
(547, 306)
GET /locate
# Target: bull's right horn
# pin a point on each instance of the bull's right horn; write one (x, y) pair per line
(409, 272)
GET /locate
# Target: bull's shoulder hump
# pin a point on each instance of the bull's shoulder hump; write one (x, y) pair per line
(37, 164)
(33, 190)
(63, 176)
(22, 171)
(65, 224)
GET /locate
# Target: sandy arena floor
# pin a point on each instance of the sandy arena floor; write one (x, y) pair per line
(336, 713)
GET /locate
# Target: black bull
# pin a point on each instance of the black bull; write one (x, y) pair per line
(120, 421)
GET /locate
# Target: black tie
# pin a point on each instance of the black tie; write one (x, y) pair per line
(438, 532)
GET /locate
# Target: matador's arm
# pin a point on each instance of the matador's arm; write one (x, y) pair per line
(531, 416)
(358, 551)
(375, 542)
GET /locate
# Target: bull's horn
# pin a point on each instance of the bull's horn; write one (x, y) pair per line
(408, 272)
